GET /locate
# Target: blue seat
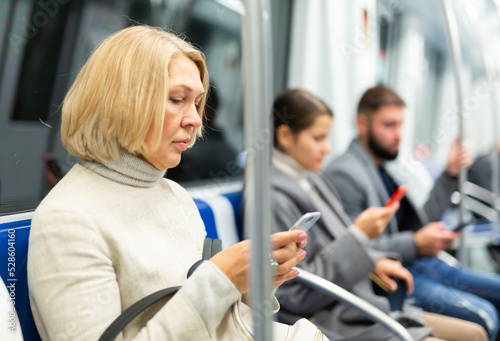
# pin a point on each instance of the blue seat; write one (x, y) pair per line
(236, 200)
(20, 224)
(222, 217)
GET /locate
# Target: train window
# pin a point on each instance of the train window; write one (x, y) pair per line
(40, 61)
(214, 157)
(54, 41)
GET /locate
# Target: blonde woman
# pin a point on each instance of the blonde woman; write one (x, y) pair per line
(114, 230)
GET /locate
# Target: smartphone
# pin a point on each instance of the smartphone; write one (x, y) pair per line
(397, 196)
(386, 287)
(306, 221)
(459, 226)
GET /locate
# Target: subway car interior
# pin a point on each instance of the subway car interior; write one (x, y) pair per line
(441, 57)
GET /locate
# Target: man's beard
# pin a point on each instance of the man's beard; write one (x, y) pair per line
(377, 149)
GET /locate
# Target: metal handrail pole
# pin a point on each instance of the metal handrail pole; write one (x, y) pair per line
(452, 36)
(256, 33)
(342, 295)
(480, 193)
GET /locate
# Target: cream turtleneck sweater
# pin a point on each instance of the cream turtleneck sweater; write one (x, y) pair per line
(108, 235)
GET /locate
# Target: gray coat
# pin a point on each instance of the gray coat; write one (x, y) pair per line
(355, 176)
(336, 255)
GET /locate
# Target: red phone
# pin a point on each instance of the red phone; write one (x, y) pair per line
(397, 196)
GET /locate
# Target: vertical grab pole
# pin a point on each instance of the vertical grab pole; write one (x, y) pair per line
(454, 48)
(495, 161)
(258, 137)
(490, 75)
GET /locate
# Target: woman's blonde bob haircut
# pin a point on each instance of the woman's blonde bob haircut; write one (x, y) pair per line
(121, 91)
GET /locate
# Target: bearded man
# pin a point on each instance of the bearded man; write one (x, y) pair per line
(416, 233)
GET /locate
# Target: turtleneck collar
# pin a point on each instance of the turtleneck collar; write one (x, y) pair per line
(129, 169)
(289, 166)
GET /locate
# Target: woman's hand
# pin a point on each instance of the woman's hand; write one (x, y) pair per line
(373, 220)
(387, 268)
(235, 264)
(235, 260)
(288, 253)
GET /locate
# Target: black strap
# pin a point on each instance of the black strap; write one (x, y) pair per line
(131, 312)
(210, 248)
(207, 248)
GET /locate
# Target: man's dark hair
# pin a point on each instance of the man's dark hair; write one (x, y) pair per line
(377, 97)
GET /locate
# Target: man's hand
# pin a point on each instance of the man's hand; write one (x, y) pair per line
(387, 269)
(433, 238)
(458, 157)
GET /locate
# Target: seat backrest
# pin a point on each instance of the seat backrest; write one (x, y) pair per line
(14, 236)
(10, 330)
(221, 213)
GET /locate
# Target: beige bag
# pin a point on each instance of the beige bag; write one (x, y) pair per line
(237, 325)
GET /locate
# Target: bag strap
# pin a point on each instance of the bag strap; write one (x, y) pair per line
(210, 248)
(131, 312)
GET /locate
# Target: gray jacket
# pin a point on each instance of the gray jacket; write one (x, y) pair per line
(355, 176)
(336, 255)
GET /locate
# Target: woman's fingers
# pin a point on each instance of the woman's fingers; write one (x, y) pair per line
(280, 279)
(281, 239)
(235, 260)
(387, 269)
(389, 281)
(409, 284)
(408, 278)
(392, 209)
(288, 264)
(302, 244)
(404, 274)
(284, 253)
(288, 251)
(288, 254)
(386, 213)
